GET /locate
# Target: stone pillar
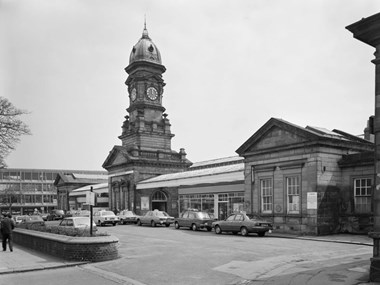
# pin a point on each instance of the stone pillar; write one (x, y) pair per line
(367, 30)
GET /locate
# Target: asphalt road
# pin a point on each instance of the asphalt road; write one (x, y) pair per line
(168, 256)
(163, 255)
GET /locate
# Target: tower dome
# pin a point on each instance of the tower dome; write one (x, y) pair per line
(145, 50)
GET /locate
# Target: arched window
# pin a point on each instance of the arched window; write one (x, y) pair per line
(159, 196)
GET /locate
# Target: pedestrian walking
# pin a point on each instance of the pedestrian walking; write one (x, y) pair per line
(7, 226)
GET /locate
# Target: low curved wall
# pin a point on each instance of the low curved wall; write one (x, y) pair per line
(98, 248)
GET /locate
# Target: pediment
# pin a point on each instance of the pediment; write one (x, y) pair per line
(117, 156)
(277, 133)
(277, 137)
(119, 159)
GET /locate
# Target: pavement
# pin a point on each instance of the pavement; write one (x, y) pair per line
(23, 259)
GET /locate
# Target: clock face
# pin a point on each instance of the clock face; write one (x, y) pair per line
(133, 94)
(152, 93)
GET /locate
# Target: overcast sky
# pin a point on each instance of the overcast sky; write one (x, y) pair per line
(231, 66)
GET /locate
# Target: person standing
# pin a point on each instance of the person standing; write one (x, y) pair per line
(7, 226)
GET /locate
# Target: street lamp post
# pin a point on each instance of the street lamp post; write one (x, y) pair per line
(367, 30)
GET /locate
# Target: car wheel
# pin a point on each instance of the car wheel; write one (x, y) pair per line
(194, 227)
(218, 230)
(167, 225)
(261, 234)
(176, 225)
(152, 223)
(244, 231)
(209, 229)
(139, 223)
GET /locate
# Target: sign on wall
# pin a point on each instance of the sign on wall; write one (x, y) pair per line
(312, 201)
(144, 203)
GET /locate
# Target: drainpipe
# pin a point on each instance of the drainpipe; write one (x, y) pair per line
(252, 186)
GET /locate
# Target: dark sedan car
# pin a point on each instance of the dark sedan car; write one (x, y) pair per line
(154, 218)
(194, 220)
(55, 215)
(243, 223)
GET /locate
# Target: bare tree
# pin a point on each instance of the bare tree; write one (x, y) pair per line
(9, 196)
(11, 128)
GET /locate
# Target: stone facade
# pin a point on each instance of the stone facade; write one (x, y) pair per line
(66, 182)
(293, 176)
(145, 149)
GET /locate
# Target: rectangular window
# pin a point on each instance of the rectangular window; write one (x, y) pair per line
(293, 194)
(223, 197)
(35, 176)
(38, 199)
(266, 190)
(26, 176)
(362, 194)
(27, 199)
(208, 203)
(5, 175)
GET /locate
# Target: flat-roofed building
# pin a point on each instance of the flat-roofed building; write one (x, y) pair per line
(25, 190)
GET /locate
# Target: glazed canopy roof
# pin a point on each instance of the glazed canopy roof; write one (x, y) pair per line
(145, 50)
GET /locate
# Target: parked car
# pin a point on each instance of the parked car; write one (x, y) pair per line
(194, 220)
(154, 218)
(104, 217)
(56, 215)
(243, 223)
(31, 221)
(127, 216)
(77, 223)
(19, 219)
(44, 216)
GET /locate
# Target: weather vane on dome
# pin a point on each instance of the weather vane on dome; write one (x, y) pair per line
(145, 32)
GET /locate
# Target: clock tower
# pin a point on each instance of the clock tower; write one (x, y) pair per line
(147, 126)
(145, 149)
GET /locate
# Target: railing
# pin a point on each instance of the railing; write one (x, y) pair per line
(159, 155)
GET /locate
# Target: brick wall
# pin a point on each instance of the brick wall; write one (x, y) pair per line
(100, 248)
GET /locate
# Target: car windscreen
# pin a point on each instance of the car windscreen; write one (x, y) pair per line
(202, 215)
(108, 213)
(35, 218)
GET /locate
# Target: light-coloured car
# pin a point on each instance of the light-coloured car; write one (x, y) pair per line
(19, 219)
(128, 217)
(29, 222)
(104, 217)
(77, 223)
(154, 218)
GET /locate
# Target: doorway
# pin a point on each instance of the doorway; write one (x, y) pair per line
(222, 210)
(159, 201)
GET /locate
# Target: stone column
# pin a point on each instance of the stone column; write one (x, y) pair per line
(367, 30)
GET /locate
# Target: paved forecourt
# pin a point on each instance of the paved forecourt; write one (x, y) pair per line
(163, 255)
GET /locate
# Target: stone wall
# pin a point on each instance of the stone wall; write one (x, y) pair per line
(99, 248)
(349, 221)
